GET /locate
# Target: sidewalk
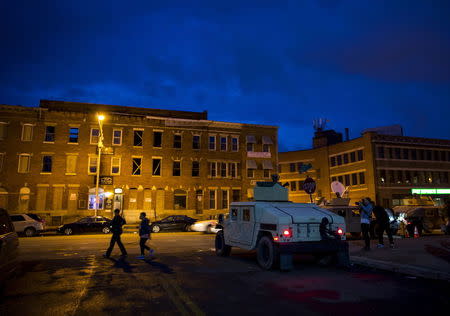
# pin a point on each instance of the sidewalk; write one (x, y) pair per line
(427, 257)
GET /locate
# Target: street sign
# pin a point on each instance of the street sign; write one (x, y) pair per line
(309, 185)
(104, 180)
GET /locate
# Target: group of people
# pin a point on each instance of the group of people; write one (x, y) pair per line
(367, 208)
(116, 230)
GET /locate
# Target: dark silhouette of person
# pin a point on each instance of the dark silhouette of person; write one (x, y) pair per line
(116, 229)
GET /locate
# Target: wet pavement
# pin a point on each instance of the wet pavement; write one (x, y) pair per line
(67, 275)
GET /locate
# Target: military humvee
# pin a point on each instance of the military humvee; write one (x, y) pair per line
(278, 228)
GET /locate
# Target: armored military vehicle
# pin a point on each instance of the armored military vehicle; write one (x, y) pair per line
(278, 228)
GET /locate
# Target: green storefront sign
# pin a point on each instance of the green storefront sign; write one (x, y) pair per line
(430, 191)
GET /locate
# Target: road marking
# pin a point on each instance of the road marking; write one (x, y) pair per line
(194, 308)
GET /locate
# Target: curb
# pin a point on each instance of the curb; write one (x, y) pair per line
(401, 268)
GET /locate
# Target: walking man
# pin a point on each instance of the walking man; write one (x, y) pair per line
(116, 229)
(144, 234)
(383, 225)
(366, 207)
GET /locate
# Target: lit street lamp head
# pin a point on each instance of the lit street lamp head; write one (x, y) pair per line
(100, 117)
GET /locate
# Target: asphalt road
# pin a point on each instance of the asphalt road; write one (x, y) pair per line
(66, 275)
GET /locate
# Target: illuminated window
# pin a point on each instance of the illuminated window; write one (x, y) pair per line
(24, 163)
(49, 134)
(47, 164)
(117, 137)
(73, 135)
(115, 165)
(27, 132)
(95, 134)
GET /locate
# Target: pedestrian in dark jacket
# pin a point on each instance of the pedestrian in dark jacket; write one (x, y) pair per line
(144, 234)
(382, 222)
(116, 229)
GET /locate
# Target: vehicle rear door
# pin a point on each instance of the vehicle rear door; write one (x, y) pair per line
(168, 223)
(18, 222)
(246, 220)
(233, 230)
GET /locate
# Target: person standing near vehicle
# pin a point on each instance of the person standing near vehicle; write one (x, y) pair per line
(144, 234)
(365, 207)
(383, 225)
(116, 229)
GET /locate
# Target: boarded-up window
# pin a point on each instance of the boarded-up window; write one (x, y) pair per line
(71, 163)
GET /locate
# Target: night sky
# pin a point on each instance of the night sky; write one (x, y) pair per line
(357, 63)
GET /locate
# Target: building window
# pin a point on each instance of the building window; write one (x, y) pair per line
(223, 169)
(196, 142)
(347, 180)
(413, 154)
(250, 147)
(156, 167)
(293, 185)
(213, 169)
(443, 156)
(117, 137)
(250, 173)
(212, 199)
(415, 178)
(27, 132)
(137, 138)
(195, 169)
(232, 170)
(49, 134)
(333, 161)
(157, 139)
(115, 165)
(407, 176)
(360, 155)
(234, 144)
(223, 144)
(339, 160)
(137, 166)
(266, 148)
(224, 199)
(345, 159)
(362, 179)
(236, 195)
(176, 168)
(3, 130)
(71, 164)
(47, 164)
(341, 179)
(429, 155)
(352, 156)
(179, 199)
(420, 154)
(95, 133)
(73, 135)
(292, 167)
(212, 143)
(177, 141)
(380, 152)
(405, 153)
(354, 179)
(24, 163)
(92, 165)
(266, 173)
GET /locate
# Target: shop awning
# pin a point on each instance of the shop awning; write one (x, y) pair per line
(251, 164)
(251, 139)
(267, 140)
(267, 164)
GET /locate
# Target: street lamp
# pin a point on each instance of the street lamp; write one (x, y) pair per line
(100, 118)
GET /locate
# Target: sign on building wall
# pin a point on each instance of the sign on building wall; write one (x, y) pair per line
(104, 180)
(258, 154)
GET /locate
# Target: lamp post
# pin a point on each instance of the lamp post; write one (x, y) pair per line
(100, 118)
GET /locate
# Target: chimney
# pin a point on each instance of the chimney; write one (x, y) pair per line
(347, 137)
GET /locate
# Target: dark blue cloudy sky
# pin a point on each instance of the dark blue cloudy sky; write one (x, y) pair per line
(357, 63)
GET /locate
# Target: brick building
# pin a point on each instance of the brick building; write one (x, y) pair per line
(385, 168)
(161, 161)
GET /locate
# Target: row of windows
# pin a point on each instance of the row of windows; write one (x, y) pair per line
(412, 177)
(412, 154)
(356, 178)
(347, 158)
(223, 143)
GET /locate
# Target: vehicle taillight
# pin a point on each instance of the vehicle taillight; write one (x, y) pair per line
(275, 238)
(287, 233)
(340, 231)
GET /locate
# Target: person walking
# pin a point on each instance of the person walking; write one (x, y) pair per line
(144, 234)
(116, 229)
(365, 207)
(382, 220)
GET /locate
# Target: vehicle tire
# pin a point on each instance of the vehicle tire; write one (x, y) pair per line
(266, 253)
(222, 249)
(106, 230)
(68, 231)
(30, 232)
(187, 228)
(156, 229)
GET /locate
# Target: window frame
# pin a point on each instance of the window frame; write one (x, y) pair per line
(232, 143)
(160, 140)
(221, 143)
(90, 158)
(119, 165)
(67, 163)
(114, 136)
(31, 126)
(227, 199)
(212, 143)
(215, 199)
(197, 168)
(52, 134)
(28, 167)
(91, 136)
(194, 142)
(174, 169)
(176, 141)
(154, 159)
(140, 134)
(44, 164)
(139, 167)
(70, 135)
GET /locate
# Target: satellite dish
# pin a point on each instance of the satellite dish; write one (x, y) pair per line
(337, 187)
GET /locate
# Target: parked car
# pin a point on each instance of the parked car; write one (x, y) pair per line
(208, 226)
(173, 222)
(90, 224)
(9, 243)
(28, 224)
